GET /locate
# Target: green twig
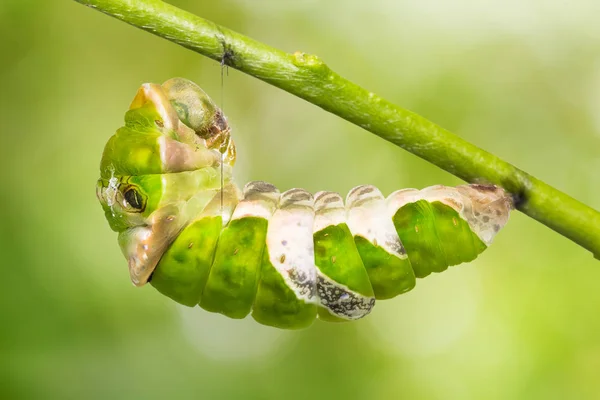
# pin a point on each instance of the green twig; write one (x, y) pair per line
(306, 76)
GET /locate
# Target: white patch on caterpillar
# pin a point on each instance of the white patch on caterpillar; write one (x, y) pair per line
(329, 210)
(231, 198)
(260, 200)
(340, 301)
(485, 207)
(368, 217)
(111, 191)
(290, 243)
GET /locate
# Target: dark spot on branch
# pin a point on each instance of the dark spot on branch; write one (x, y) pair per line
(518, 199)
(228, 56)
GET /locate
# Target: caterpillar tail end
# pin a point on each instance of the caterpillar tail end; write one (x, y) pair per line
(486, 209)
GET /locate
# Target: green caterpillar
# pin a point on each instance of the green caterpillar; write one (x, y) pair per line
(166, 187)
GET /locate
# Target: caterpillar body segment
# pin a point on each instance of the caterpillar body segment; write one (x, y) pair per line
(285, 258)
(235, 272)
(378, 243)
(186, 264)
(286, 295)
(343, 284)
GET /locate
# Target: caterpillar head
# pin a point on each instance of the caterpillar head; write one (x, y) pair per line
(161, 169)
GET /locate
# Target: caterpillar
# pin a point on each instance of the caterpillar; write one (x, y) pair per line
(286, 258)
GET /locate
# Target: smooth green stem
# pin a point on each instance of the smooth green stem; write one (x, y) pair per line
(306, 76)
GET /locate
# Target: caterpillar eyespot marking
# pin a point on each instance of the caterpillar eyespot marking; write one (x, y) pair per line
(284, 258)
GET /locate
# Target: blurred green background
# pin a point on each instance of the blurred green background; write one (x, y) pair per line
(519, 78)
